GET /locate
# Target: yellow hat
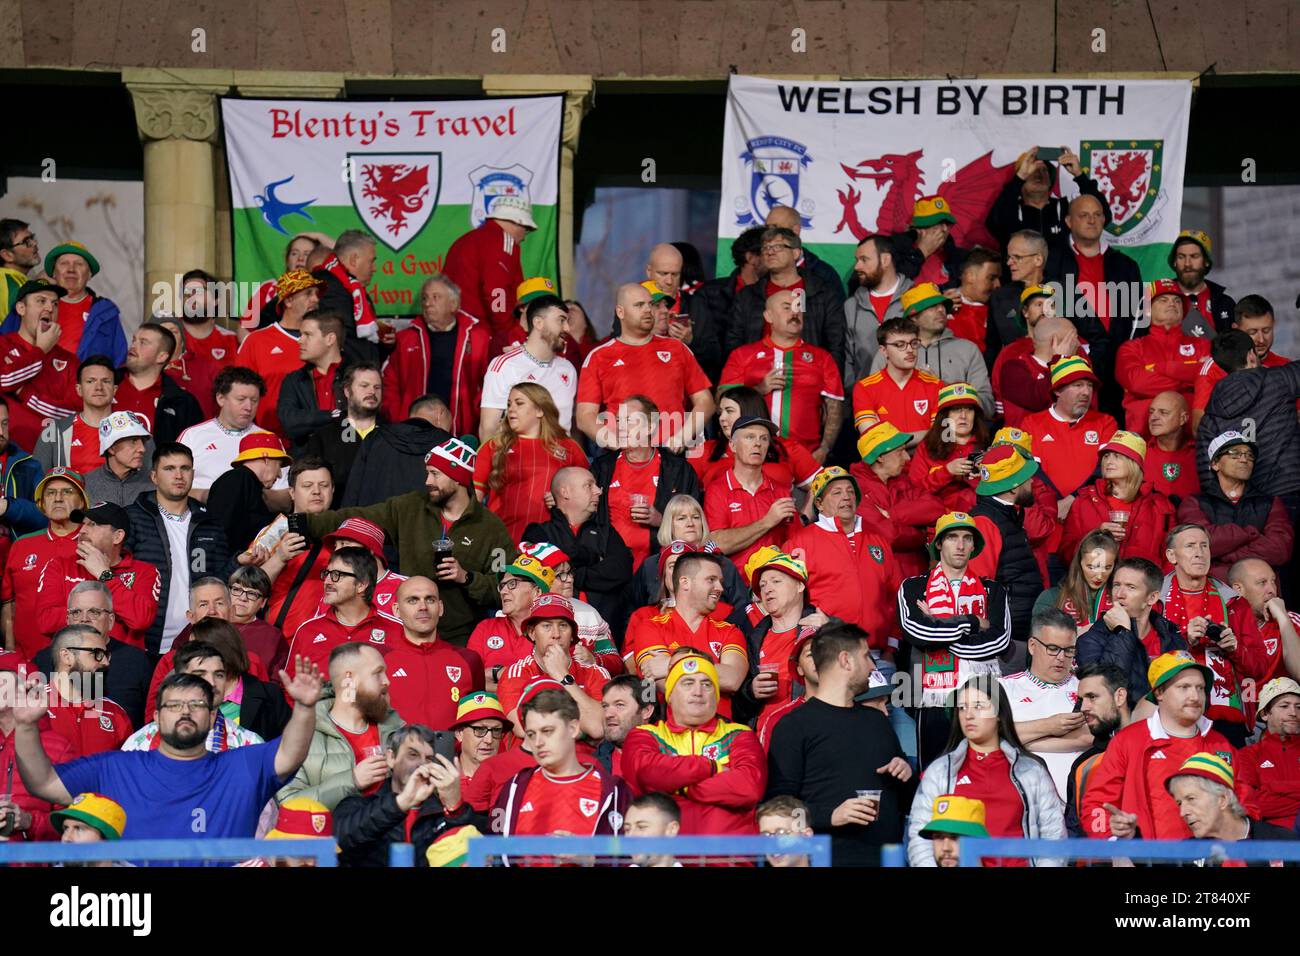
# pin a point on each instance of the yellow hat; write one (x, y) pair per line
(781, 562)
(533, 288)
(878, 440)
(1197, 236)
(692, 664)
(959, 816)
(1021, 440)
(952, 521)
(760, 558)
(1002, 468)
(1211, 766)
(452, 847)
(1071, 369)
(1129, 444)
(956, 395)
(1034, 292)
(656, 294)
(94, 810)
(526, 566)
(920, 297)
(294, 281)
(1168, 666)
(930, 210)
(826, 476)
(301, 817)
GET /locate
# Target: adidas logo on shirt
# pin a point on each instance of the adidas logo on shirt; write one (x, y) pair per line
(618, 363)
(400, 672)
(319, 639)
(962, 779)
(277, 351)
(211, 447)
(1266, 765)
(1159, 755)
(1026, 700)
(1048, 438)
(527, 807)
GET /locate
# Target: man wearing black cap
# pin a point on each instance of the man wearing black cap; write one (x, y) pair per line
(38, 375)
(744, 509)
(101, 556)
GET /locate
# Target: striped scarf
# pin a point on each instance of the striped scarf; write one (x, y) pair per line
(973, 599)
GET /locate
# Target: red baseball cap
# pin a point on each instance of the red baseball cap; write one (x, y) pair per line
(362, 532)
(551, 606)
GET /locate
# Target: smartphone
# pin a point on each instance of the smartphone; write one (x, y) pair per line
(298, 524)
(444, 744)
(976, 457)
(1049, 154)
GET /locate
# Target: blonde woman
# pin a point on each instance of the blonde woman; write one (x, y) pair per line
(1123, 503)
(684, 521)
(513, 470)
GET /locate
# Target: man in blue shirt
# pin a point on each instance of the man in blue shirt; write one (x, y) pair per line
(180, 790)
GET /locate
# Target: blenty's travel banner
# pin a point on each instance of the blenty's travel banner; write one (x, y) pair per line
(852, 157)
(415, 175)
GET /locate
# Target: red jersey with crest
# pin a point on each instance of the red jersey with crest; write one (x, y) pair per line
(666, 631)
(727, 504)
(632, 478)
(144, 402)
(219, 347)
(664, 370)
(1068, 451)
(22, 575)
(808, 374)
(498, 643)
(908, 407)
(1173, 472)
(427, 681)
(91, 727)
(592, 678)
(272, 353)
(44, 386)
(315, 638)
(560, 804)
(529, 466)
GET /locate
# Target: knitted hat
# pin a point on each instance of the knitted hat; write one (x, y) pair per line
(826, 476)
(534, 288)
(260, 446)
(514, 209)
(959, 816)
(1129, 444)
(957, 395)
(66, 474)
(1216, 767)
(953, 521)
(780, 562)
(1022, 441)
(1034, 292)
(451, 848)
(480, 705)
(1071, 369)
(362, 532)
(455, 459)
(674, 548)
(113, 428)
(302, 817)
(930, 210)
(921, 296)
(1274, 689)
(293, 281)
(76, 249)
(554, 607)
(548, 554)
(1163, 287)
(1168, 666)
(692, 664)
(528, 567)
(94, 810)
(656, 294)
(878, 440)
(1002, 468)
(32, 286)
(1219, 445)
(1195, 236)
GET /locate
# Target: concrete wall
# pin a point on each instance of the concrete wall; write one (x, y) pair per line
(1261, 253)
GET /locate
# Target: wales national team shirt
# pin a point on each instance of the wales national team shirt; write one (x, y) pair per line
(513, 366)
(1172, 472)
(1162, 763)
(1068, 450)
(315, 638)
(272, 353)
(530, 464)
(560, 804)
(727, 504)
(144, 402)
(364, 744)
(1033, 699)
(648, 634)
(72, 321)
(987, 777)
(631, 479)
(809, 375)
(220, 346)
(22, 574)
(591, 679)
(663, 369)
(775, 652)
(83, 451)
(498, 643)
(909, 407)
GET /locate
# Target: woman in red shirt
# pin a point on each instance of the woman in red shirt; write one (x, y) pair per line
(513, 471)
(1085, 592)
(1122, 502)
(946, 462)
(580, 339)
(788, 464)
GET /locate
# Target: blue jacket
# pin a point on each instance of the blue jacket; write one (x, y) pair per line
(22, 474)
(102, 335)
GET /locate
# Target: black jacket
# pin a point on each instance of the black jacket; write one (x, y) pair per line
(1122, 649)
(390, 462)
(208, 550)
(823, 323)
(236, 500)
(365, 827)
(824, 271)
(338, 443)
(1008, 214)
(1117, 269)
(264, 710)
(298, 410)
(711, 306)
(602, 563)
(1258, 401)
(908, 259)
(676, 477)
(334, 297)
(177, 410)
(1223, 309)
(1018, 569)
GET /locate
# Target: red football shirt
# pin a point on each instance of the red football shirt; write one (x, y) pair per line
(91, 727)
(560, 804)
(666, 631)
(1162, 763)
(663, 369)
(592, 679)
(220, 346)
(728, 505)
(1173, 472)
(315, 638)
(427, 681)
(22, 573)
(272, 353)
(364, 744)
(84, 449)
(497, 642)
(529, 467)
(970, 322)
(632, 478)
(908, 407)
(72, 322)
(776, 649)
(987, 777)
(1091, 280)
(144, 403)
(809, 376)
(1068, 450)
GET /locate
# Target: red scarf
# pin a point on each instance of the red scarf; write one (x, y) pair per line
(1225, 696)
(363, 313)
(939, 669)
(1098, 605)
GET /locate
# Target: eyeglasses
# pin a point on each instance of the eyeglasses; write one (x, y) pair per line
(911, 346)
(176, 706)
(30, 242)
(564, 575)
(481, 732)
(1055, 650)
(98, 653)
(1027, 255)
(775, 247)
(246, 594)
(90, 614)
(335, 575)
(1241, 454)
(60, 492)
(509, 585)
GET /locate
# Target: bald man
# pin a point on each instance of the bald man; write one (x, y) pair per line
(1022, 382)
(1254, 580)
(427, 677)
(640, 363)
(697, 331)
(1102, 288)
(788, 218)
(598, 556)
(1171, 453)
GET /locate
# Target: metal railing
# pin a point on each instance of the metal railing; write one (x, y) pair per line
(972, 850)
(616, 848)
(324, 850)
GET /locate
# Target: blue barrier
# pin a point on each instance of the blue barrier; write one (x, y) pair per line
(973, 849)
(816, 848)
(401, 855)
(323, 849)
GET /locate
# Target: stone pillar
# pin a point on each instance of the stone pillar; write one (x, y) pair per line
(578, 97)
(178, 124)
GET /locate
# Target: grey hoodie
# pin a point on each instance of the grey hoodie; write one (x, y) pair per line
(860, 345)
(953, 360)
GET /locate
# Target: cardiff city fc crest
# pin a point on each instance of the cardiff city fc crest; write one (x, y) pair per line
(774, 164)
(489, 182)
(395, 194)
(1128, 173)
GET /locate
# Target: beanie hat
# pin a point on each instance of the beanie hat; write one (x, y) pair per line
(878, 440)
(113, 428)
(930, 210)
(548, 554)
(361, 532)
(1002, 468)
(455, 459)
(76, 249)
(691, 664)
(1216, 767)
(1129, 444)
(1071, 369)
(533, 689)
(1195, 236)
(528, 567)
(956, 395)
(94, 810)
(920, 297)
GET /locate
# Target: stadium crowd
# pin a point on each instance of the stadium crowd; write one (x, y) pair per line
(979, 542)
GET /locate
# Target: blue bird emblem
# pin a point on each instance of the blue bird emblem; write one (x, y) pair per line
(275, 209)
